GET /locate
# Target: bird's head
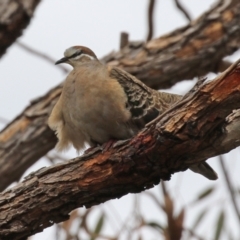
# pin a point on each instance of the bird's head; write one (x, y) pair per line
(76, 55)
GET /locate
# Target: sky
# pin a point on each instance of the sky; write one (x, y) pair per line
(59, 24)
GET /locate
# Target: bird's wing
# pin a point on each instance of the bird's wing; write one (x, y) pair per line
(144, 103)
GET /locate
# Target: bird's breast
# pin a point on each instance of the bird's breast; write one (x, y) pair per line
(96, 104)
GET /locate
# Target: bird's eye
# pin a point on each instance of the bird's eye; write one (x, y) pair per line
(76, 54)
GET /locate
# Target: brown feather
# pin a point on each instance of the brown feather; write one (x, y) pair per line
(144, 103)
(100, 103)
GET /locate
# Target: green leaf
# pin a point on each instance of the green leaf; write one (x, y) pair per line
(205, 193)
(219, 225)
(98, 226)
(199, 219)
(155, 225)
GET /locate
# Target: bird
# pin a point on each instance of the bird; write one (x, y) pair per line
(100, 103)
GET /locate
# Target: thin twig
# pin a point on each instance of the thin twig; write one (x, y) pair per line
(183, 10)
(230, 187)
(123, 39)
(150, 19)
(41, 55)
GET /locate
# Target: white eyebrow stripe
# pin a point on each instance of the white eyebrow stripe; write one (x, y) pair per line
(84, 55)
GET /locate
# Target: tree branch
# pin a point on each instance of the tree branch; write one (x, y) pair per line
(191, 51)
(15, 16)
(194, 50)
(151, 5)
(41, 55)
(123, 39)
(183, 10)
(197, 129)
(27, 138)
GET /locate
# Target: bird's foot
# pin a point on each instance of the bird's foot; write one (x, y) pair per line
(106, 146)
(89, 150)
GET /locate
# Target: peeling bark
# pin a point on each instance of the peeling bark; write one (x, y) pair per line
(200, 126)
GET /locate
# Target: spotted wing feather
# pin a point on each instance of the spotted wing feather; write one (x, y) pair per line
(144, 103)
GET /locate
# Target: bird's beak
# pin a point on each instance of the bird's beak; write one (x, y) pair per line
(62, 60)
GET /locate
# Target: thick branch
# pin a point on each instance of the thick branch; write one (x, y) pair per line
(194, 50)
(20, 142)
(191, 51)
(15, 16)
(194, 129)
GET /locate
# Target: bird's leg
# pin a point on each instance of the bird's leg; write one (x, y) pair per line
(104, 147)
(107, 145)
(93, 145)
(89, 150)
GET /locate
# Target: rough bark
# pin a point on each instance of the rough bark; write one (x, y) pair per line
(194, 50)
(188, 52)
(20, 142)
(194, 129)
(191, 51)
(15, 15)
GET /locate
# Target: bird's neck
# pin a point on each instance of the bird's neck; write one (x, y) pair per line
(86, 63)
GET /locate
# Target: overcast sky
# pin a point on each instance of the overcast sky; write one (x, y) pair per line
(59, 24)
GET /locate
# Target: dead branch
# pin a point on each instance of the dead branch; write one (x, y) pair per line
(123, 39)
(151, 6)
(183, 10)
(202, 127)
(185, 53)
(20, 145)
(41, 55)
(191, 51)
(15, 16)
